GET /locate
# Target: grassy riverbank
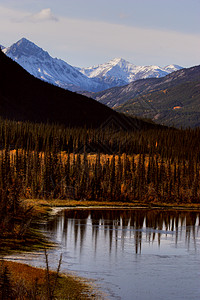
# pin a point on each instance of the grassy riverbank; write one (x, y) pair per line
(45, 206)
(26, 282)
(29, 282)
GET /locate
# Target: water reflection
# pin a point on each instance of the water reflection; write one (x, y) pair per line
(138, 226)
(133, 254)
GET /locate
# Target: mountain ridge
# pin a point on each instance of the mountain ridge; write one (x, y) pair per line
(177, 106)
(58, 72)
(41, 65)
(119, 95)
(127, 72)
(24, 97)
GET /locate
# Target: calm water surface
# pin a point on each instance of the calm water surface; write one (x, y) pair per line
(133, 254)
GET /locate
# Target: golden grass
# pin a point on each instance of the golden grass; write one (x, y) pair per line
(47, 205)
(64, 155)
(69, 286)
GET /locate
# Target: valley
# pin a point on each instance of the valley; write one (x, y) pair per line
(60, 148)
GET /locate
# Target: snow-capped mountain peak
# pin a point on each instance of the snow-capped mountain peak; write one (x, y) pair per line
(172, 68)
(121, 71)
(116, 72)
(40, 64)
(25, 48)
(119, 61)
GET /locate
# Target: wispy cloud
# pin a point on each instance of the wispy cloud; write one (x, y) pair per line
(42, 16)
(85, 42)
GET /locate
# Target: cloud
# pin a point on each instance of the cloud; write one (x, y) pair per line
(84, 42)
(42, 16)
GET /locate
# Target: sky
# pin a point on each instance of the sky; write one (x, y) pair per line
(90, 32)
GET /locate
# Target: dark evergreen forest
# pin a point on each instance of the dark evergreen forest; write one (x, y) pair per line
(52, 161)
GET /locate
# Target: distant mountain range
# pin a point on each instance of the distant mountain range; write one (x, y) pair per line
(120, 72)
(118, 95)
(117, 72)
(169, 95)
(26, 98)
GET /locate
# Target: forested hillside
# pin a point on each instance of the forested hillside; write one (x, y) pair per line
(178, 106)
(172, 100)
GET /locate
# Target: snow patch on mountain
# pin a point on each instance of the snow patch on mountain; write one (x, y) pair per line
(122, 70)
(116, 72)
(53, 70)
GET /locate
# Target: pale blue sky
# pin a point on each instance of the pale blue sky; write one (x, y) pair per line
(89, 32)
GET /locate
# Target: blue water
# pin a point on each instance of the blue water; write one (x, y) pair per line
(132, 254)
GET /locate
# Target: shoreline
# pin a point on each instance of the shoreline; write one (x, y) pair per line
(70, 286)
(44, 208)
(55, 205)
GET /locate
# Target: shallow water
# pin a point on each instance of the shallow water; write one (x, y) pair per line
(133, 254)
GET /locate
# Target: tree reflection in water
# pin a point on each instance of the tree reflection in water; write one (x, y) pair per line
(116, 224)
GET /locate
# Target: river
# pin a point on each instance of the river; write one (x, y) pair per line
(133, 254)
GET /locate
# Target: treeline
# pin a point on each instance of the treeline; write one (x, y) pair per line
(50, 161)
(168, 143)
(100, 177)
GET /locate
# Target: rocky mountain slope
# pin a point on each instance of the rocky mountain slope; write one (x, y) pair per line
(26, 98)
(116, 72)
(174, 102)
(40, 64)
(119, 95)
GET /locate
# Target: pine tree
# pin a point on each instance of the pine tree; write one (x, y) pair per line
(6, 291)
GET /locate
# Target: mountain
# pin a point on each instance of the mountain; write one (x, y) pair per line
(178, 105)
(173, 100)
(24, 97)
(118, 72)
(119, 95)
(55, 71)
(2, 47)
